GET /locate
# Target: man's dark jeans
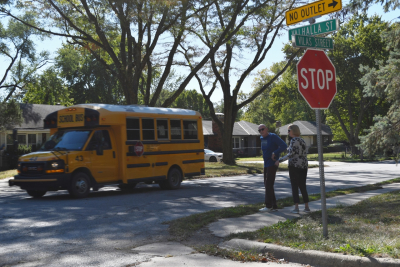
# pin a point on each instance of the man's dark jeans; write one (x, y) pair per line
(269, 180)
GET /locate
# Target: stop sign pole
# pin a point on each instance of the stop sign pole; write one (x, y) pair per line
(316, 78)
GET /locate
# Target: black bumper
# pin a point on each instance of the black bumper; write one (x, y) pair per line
(52, 182)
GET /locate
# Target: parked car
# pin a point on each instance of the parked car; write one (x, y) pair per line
(212, 156)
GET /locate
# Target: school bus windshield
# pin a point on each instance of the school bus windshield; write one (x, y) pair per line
(66, 140)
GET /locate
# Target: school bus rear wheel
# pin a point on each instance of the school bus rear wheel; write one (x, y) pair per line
(174, 179)
(80, 186)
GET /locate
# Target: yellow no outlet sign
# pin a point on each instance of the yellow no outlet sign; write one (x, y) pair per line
(314, 9)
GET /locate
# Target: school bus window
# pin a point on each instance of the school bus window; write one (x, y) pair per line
(148, 129)
(95, 141)
(162, 129)
(176, 129)
(132, 129)
(190, 129)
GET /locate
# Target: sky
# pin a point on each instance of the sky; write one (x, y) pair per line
(274, 55)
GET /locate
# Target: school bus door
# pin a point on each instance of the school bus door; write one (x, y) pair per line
(104, 167)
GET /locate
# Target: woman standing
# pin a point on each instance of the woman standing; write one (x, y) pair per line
(298, 166)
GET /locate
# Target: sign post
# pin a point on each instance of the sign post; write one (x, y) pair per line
(317, 84)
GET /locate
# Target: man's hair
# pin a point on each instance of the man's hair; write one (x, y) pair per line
(262, 125)
(295, 129)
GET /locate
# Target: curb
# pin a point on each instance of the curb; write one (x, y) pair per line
(311, 257)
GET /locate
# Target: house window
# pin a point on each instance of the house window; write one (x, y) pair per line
(236, 142)
(45, 137)
(32, 140)
(10, 142)
(21, 139)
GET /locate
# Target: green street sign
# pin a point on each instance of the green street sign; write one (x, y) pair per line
(316, 28)
(312, 42)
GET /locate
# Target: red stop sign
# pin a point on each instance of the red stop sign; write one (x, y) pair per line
(139, 149)
(316, 79)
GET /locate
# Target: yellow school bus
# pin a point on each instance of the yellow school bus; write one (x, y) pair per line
(93, 145)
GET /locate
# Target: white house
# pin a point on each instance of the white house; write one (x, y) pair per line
(308, 130)
(31, 131)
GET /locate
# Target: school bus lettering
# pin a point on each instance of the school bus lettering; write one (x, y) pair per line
(70, 118)
(66, 118)
(78, 117)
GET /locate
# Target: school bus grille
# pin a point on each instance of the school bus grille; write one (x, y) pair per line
(32, 168)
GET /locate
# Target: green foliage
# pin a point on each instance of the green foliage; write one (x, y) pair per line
(364, 5)
(11, 115)
(384, 82)
(19, 57)
(47, 88)
(281, 102)
(191, 99)
(358, 42)
(85, 79)
(24, 149)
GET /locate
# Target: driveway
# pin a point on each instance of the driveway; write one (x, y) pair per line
(102, 230)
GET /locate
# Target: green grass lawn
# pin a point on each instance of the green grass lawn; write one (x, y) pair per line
(184, 227)
(7, 174)
(369, 228)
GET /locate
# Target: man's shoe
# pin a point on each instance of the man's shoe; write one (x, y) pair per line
(264, 209)
(306, 210)
(272, 210)
(296, 211)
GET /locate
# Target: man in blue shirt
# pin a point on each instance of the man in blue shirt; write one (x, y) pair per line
(271, 145)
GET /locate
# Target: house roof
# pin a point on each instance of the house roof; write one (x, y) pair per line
(239, 128)
(34, 114)
(306, 128)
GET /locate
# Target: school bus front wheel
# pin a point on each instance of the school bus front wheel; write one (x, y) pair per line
(80, 186)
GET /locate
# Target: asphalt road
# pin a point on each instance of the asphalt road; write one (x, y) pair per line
(104, 229)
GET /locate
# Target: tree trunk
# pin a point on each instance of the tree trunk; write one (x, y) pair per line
(229, 120)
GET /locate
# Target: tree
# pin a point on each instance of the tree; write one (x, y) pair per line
(85, 77)
(364, 5)
(383, 81)
(11, 115)
(20, 58)
(358, 42)
(282, 101)
(132, 38)
(47, 88)
(21, 62)
(191, 99)
(255, 38)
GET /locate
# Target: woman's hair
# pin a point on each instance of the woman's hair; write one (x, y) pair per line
(295, 129)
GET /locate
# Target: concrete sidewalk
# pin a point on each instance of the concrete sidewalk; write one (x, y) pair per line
(253, 222)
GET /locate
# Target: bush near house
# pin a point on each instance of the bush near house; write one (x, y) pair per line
(10, 158)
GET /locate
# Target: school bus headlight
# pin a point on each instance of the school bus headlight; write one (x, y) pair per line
(57, 166)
